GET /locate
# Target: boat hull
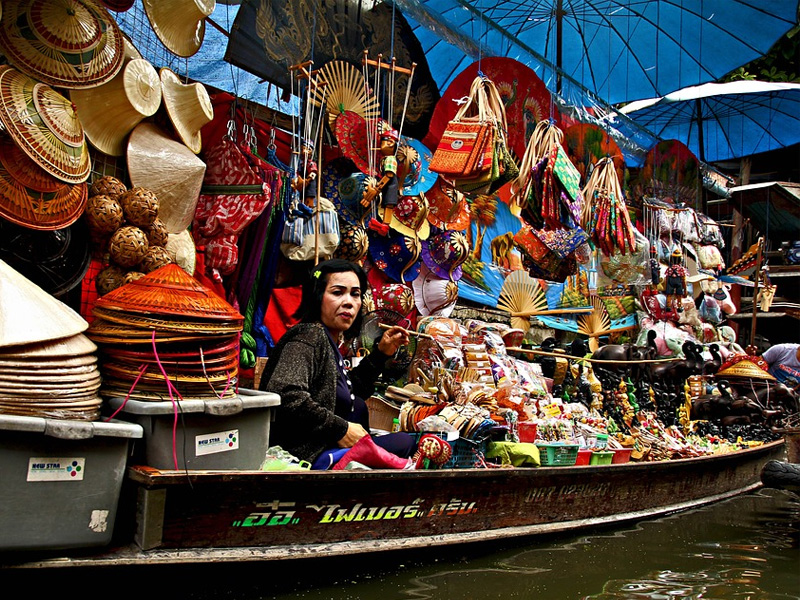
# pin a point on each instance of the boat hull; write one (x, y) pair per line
(186, 517)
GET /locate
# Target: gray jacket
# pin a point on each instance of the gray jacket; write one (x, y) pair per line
(302, 370)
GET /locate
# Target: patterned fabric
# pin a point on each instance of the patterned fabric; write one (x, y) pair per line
(220, 218)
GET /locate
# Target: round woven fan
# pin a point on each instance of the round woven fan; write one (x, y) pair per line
(595, 324)
(523, 297)
(346, 90)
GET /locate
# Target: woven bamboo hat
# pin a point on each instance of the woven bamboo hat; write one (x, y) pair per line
(182, 250)
(31, 197)
(111, 111)
(63, 43)
(74, 345)
(169, 291)
(45, 125)
(179, 24)
(170, 170)
(188, 106)
(745, 366)
(28, 314)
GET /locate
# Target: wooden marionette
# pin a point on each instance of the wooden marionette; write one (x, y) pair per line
(388, 186)
(395, 161)
(305, 182)
(675, 280)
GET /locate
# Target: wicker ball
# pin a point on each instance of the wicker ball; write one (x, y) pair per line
(133, 276)
(107, 186)
(155, 258)
(140, 206)
(158, 234)
(103, 215)
(128, 246)
(109, 279)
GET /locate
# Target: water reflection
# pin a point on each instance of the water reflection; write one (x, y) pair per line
(745, 548)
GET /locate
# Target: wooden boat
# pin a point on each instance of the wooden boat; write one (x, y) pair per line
(185, 517)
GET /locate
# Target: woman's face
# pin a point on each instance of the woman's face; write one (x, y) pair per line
(340, 302)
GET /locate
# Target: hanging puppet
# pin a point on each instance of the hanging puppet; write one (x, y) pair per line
(388, 186)
(675, 280)
(306, 179)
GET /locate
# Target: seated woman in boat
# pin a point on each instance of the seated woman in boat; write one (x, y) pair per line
(322, 412)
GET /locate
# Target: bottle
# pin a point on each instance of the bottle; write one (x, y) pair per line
(395, 425)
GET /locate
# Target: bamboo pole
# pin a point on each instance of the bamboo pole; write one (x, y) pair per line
(408, 331)
(755, 291)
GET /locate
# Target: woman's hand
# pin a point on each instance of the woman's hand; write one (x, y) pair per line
(392, 339)
(354, 433)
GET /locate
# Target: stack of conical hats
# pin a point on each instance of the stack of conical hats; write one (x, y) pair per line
(48, 368)
(165, 335)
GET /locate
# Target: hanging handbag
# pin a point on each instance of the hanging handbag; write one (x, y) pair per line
(300, 241)
(466, 146)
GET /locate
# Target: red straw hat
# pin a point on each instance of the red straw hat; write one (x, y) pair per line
(63, 43)
(31, 197)
(169, 291)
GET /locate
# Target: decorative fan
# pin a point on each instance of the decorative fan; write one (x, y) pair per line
(346, 90)
(595, 324)
(523, 297)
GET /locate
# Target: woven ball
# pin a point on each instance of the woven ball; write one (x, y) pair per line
(155, 258)
(140, 206)
(158, 234)
(128, 246)
(109, 279)
(107, 186)
(133, 276)
(103, 215)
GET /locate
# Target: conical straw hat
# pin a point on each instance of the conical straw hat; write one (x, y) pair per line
(45, 125)
(22, 203)
(63, 43)
(182, 250)
(110, 112)
(179, 24)
(188, 106)
(75, 345)
(28, 314)
(170, 170)
(745, 366)
(169, 290)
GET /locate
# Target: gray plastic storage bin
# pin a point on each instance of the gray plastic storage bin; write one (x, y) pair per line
(60, 481)
(216, 434)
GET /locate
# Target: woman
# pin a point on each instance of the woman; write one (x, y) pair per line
(322, 411)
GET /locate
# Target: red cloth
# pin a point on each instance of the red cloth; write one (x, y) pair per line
(283, 304)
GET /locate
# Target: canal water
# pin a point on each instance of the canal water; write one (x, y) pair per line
(744, 548)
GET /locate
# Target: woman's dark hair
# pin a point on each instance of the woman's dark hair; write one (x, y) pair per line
(314, 288)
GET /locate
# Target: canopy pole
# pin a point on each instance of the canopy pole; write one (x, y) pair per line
(755, 292)
(559, 42)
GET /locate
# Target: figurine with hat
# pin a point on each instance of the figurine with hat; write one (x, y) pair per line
(675, 279)
(304, 181)
(388, 186)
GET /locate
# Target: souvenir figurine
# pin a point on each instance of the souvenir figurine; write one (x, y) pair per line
(304, 181)
(675, 280)
(388, 186)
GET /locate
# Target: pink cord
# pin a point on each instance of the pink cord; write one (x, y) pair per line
(170, 387)
(142, 370)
